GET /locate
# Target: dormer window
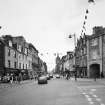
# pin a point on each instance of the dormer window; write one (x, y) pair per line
(25, 50)
(10, 43)
(19, 48)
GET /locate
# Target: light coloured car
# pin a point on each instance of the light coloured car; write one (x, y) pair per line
(42, 80)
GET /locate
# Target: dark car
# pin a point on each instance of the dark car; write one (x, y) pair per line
(51, 76)
(42, 80)
(48, 77)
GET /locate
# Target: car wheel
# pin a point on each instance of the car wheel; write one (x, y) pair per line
(46, 82)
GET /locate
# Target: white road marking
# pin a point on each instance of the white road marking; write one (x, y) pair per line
(102, 104)
(84, 93)
(87, 96)
(95, 96)
(91, 102)
(98, 99)
(93, 89)
(89, 99)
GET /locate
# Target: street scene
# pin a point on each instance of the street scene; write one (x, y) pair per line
(52, 52)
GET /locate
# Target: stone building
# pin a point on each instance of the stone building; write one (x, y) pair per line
(24, 56)
(9, 56)
(81, 56)
(67, 63)
(57, 67)
(35, 58)
(2, 46)
(17, 56)
(96, 52)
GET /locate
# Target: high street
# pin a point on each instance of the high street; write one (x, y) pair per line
(56, 92)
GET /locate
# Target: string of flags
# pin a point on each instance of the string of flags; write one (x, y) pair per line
(83, 27)
(55, 54)
(86, 17)
(91, 1)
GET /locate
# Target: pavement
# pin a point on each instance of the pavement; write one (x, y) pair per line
(7, 85)
(100, 81)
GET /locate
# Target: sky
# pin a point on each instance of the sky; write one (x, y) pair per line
(48, 23)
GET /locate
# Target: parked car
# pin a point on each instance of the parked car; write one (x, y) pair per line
(48, 77)
(6, 79)
(42, 80)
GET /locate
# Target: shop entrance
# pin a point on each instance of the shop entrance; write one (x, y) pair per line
(95, 70)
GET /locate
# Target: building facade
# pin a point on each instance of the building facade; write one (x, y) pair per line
(81, 56)
(18, 56)
(35, 58)
(96, 53)
(67, 63)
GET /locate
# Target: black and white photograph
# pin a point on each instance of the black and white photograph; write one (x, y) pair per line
(52, 52)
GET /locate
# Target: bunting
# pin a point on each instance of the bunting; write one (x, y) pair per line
(84, 23)
(87, 11)
(91, 1)
(84, 28)
(86, 15)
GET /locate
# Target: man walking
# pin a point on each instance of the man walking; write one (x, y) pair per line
(75, 74)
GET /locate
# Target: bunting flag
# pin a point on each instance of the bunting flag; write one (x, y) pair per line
(87, 11)
(91, 1)
(85, 17)
(84, 23)
(84, 28)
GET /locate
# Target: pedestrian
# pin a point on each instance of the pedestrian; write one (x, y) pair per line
(75, 76)
(35, 77)
(19, 78)
(11, 78)
(16, 79)
(102, 75)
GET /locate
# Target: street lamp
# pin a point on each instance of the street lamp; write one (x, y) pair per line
(70, 36)
(73, 35)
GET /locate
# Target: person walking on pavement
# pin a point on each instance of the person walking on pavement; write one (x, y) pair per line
(75, 74)
(19, 78)
(11, 78)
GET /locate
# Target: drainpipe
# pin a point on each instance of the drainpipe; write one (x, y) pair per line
(102, 55)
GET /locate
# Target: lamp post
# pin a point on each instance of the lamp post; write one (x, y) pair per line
(70, 36)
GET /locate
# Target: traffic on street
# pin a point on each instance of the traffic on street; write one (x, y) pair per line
(56, 92)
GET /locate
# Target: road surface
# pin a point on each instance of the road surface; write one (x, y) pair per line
(56, 92)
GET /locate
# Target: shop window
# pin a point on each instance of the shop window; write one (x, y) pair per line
(19, 65)
(15, 65)
(9, 63)
(23, 66)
